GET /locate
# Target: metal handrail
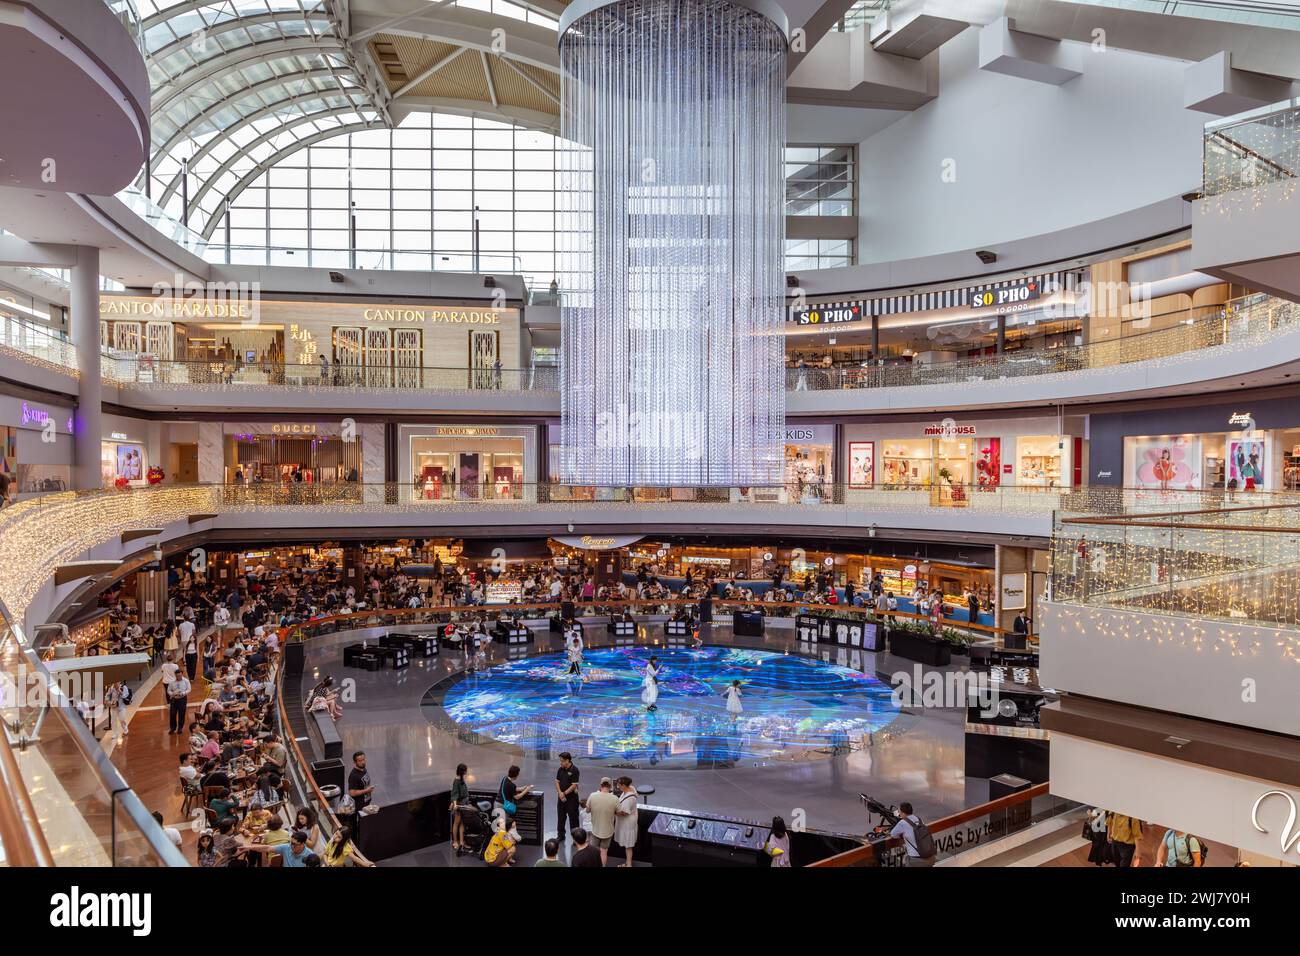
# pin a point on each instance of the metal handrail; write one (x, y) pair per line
(21, 837)
(89, 754)
(865, 855)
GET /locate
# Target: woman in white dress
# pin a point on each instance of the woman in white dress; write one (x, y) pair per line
(626, 818)
(575, 652)
(732, 694)
(650, 685)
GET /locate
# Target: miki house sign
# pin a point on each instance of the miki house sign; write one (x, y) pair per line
(828, 313)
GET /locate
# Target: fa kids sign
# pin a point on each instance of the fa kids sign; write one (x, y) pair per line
(76, 910)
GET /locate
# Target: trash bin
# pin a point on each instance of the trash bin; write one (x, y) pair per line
(329, 773)
(1005, 784)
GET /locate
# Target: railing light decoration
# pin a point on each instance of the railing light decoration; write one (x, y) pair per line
(672, 259)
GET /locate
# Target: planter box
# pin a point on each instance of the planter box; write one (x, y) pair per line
(919, 648)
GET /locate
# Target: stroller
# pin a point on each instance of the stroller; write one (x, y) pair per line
(478, 826)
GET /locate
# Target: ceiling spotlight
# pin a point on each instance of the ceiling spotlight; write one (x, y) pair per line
(336, 277)
(986, 257)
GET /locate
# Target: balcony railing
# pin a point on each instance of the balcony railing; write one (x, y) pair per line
(1244, 323)
(1236, 561)
(145, 372)
(65, 803)
(36, 345)
(1253, 149)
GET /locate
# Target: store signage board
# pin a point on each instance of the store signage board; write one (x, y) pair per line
(465, 431)
(829, 314)
(810, 435)
(241, 307)
(592, 542)
(1007, 297)
(949, 430)
(1013, 591)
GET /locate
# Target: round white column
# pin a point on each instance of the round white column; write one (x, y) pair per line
(87, 432)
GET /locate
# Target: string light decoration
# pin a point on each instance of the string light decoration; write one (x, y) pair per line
(672, 231)
(1239, 565)
(1249, 162)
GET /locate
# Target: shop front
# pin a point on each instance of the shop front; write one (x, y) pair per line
(247, 338)
(124, 458)
(809, 461)
(35, 446)
(468, 461)
(1232, 448)
(953, 457)
(307, 452)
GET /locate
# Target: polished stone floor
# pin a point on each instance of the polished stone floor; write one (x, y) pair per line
(917, 756)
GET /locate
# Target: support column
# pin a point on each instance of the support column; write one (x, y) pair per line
(875, 338)
(87, 430)
(1002, 334)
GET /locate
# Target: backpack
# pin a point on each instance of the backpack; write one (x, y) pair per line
(924, 844)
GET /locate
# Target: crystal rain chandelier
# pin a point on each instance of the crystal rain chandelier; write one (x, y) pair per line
(671, 261)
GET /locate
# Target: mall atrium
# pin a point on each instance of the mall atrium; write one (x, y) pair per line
(650, 433)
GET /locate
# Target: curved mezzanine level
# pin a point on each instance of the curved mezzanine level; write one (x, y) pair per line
(1254, 343)
(114, 531)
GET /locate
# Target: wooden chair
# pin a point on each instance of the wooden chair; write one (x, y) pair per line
(193, 794)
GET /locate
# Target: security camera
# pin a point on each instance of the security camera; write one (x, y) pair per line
(489, 282)
(792, 282)
(986, 257)
(336, 277)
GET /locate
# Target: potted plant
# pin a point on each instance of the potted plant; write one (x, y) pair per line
(913, 641)
(958, 642)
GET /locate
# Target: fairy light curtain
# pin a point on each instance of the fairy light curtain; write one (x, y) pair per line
(671, 258)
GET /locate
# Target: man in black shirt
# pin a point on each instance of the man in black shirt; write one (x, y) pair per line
(584, 854)
(566, 803)
(359, 788)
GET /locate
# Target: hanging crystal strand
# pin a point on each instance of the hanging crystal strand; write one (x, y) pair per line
(671, 220)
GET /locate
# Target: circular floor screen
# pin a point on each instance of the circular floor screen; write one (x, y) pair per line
(790, 707)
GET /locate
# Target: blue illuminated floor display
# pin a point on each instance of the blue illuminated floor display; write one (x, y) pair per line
(790, 707)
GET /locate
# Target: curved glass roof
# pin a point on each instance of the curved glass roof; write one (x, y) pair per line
(236, 84)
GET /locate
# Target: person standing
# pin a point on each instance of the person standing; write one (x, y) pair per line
(178, 701)
(459, 798)
(1123, 833)
(603, 806)
(117, 697)
(575, 651)
(777, 844)
(584, 854)
(188, 646)
(360, 788)
(650, 685)
(917, 842)
(732, 693)
(566, 789)
(552, 850)
(626, 819)
(1178, 848)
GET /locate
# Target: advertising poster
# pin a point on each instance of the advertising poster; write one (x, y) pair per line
(1167, 462)
(1246, 463)
(862, 464)
(130, 462)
